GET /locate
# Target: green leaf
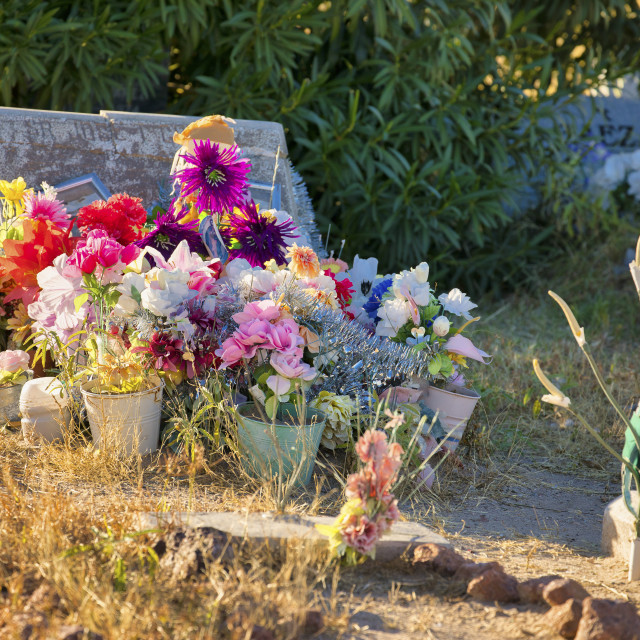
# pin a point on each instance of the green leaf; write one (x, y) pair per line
(80, 300)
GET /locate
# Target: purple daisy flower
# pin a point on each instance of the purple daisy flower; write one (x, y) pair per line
(219, 176)
(169, 232)
(258, 237)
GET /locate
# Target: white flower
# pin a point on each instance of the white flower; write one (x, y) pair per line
(457, 303)
(393, 315)
(421, 273)
(633, 162)
(259, 281)
(615, 168)
(166, 291)
(234, 271)
(363, 276)
(412, 283)
(634, 184)
(418, 336)
(339, 411)
(441, 326)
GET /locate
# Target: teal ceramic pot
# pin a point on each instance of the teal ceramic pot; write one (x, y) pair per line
(297, 443)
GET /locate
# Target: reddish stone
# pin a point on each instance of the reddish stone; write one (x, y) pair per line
(608, 620)
(494, 586)
(531, 590)
(313, 621)
(563, 589)
(469, 570)
(435, 557)
(564, 618)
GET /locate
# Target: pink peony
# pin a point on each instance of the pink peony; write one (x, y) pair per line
(464, 347)
(260, 310)
(13, 361)
(230, 352)
(291, 366)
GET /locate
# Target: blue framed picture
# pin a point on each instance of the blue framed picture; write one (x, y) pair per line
(81, 191)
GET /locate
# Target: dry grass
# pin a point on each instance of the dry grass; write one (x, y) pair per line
(67, 511)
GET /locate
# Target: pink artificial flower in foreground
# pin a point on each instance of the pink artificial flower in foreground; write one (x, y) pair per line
(13, 361)
(464, 347)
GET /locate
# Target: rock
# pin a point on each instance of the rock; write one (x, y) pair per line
(29, 624)
(185, 553)
(313, 621)
(494, 585)
(261, 633)
(469, 570)
(530, 591)
(76, 632)
(563, 589)
(44, 598)
(608, 620)
(368, 620)
(435, 557)
(564, 618)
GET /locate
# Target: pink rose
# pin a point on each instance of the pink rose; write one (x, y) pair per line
(279, 385)
(13, 361)
(290, 366)
(230, 352)
(259, 310)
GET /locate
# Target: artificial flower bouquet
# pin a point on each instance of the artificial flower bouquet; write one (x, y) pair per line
(371, 508)
(405, 309)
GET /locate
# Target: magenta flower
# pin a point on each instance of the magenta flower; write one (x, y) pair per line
(99, 252)
(169, 232)
(217, 174)
(45, 206)
(258, 237)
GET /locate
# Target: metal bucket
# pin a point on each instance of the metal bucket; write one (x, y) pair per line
(274, 448)
(128, 421)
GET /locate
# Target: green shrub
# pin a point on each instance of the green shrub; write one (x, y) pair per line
(416, 125)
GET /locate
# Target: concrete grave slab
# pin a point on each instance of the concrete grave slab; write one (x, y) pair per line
(279, 528)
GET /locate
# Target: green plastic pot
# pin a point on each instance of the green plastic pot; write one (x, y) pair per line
(297, 444)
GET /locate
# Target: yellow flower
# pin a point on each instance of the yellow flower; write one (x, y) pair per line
(577, 330)
(14, 193)
(20, 324)
(556, 396)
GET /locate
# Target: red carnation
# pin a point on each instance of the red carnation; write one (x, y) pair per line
(121, 216)
(344, 289)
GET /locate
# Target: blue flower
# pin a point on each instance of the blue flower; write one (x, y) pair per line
(372, 305)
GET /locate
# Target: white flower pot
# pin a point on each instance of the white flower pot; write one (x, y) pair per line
(44, 409)
(10, 401)
(455, 406)
(128, 421)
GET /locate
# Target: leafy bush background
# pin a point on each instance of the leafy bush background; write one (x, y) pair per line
(416, 125)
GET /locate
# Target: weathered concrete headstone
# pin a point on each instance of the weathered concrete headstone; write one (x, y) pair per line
(133, 152)
(262, 527)
(617, 528)
(616, 122)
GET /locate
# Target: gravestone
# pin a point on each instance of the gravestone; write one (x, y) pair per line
(616, 123)
(133, 152)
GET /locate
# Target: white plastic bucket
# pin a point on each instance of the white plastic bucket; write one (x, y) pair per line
(44, 409)
(455, 406)
(129, 421)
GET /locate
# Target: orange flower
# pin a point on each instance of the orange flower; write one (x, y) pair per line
(304, 261)
(25, 259)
